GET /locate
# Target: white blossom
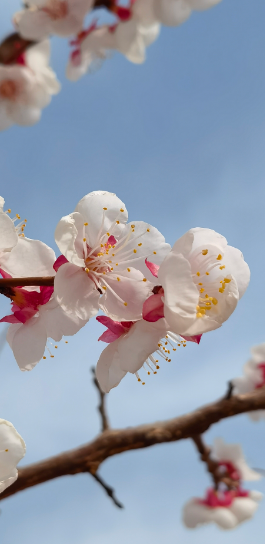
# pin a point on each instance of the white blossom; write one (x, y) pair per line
(232, 455)
(26, 87)
(12, 450)
(129, 38)
(8, 231)
(106, 257)
(203, 278)
(169, 12)
(45, 17)
(253, 378)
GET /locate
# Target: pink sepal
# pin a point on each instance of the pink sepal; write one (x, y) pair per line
(4, 274)
(153, 308)
(152, 267)
(115, 328)
(109, 336)
(196, 338)
(10, 319)
(59, 262)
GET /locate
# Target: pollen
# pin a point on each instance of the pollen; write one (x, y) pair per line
(117, 222)
(85, 224)
(219, 258)
(117, 264)
(125, 304)
(105, 209)
(207, 273)
(204, 251)
(135, 250)
(214, 301)
(118, 279)
(18, 216)
(154, 252)
(44, 357)
(84, 239)
(144, 279)
(107, 233)
(6, 450)
(52, 356)
(104, 287)
(148, 230)
(121, 210)
(56, 347)
(9, 211)
(132, 226)
(157, 367)
(201, 290)
(222, 267)
(113, 254)
(198, 273)
(227, 280)
(140, 245)
(66, 341)
(129, 270)
(111, 268)
(200, 283)
(221, 290)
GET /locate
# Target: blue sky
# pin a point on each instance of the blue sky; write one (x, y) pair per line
(181, 140)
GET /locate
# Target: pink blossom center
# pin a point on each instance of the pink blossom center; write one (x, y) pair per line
(8, 89)
(57, 9)
(221, 499)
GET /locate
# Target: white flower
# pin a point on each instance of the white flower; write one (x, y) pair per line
(168, 12)
(233, 510)
(8, 232)
(254, 377)
(26, 87)
(231, 456)
(29, 340)
(106, 257)
(28, 258)
(44, 17)
(133, 346)
(129, 38)
(12, 450)
(203, 278)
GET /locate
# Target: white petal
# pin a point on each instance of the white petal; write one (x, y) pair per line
(9, 481)
(11, 441)
(140, 342)
(256, 495)
(91, 209)
(29, 258)
(201, 5)
(28, 342)
(75, 292)
(171, 12)
(148, 242)
(195, 514)
(68, 237)
(243, 508)
(258, 353)
(8, 235)
(237, 267)
(108, 370)
(58, 323)
(131, 289)
(5, 119)
(33, 25)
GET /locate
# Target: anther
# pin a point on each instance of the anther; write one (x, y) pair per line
(84, 239)
(132, 226)
(85, 224)
(198, 273)
(140, 244)
(219, 258)
(105, 208)
(121, 210)
(222, 267)
(125, 304)
(87, 270)
(148, 230)
(154, 252)
(144, 279)
(135, 250)
(118, 279)
(9, 211)
(117, 222)
(129, 270)
(56, 347)
(201, 290)
(44, 357)
(204, 251)
(66, 341)
(207, 273)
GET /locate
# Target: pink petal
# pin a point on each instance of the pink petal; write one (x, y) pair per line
(59, 262)
(45, 294)
(152, 267)
(4, 274)
(9, 319)
(153, 308)
(109, 336)
(196, 338)
(113, 326)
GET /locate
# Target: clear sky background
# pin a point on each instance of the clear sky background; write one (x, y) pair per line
(180, 139)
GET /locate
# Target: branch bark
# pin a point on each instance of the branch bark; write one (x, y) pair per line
(88, 458)
(102, 405)
(23, 282)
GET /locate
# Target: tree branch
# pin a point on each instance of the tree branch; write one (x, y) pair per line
(88, 458)
(23, 282)
(102, 407)
(213, 466)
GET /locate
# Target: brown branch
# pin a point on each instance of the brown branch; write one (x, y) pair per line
(21, 282)
(102, 406)
(88, 458)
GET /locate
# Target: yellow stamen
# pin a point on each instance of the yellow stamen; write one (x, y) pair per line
(204, 251)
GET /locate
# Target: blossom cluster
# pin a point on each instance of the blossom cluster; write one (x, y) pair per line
(27, 82)
(153, 297)
(227, 506)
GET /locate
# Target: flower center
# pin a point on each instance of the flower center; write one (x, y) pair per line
(261, 367)
(56, 9)
(8, 89)
(205, 266)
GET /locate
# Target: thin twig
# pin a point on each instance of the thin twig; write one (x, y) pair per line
(102, 406)
(213, 466)
(21, 282)
(109, 490)
(230, 390)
